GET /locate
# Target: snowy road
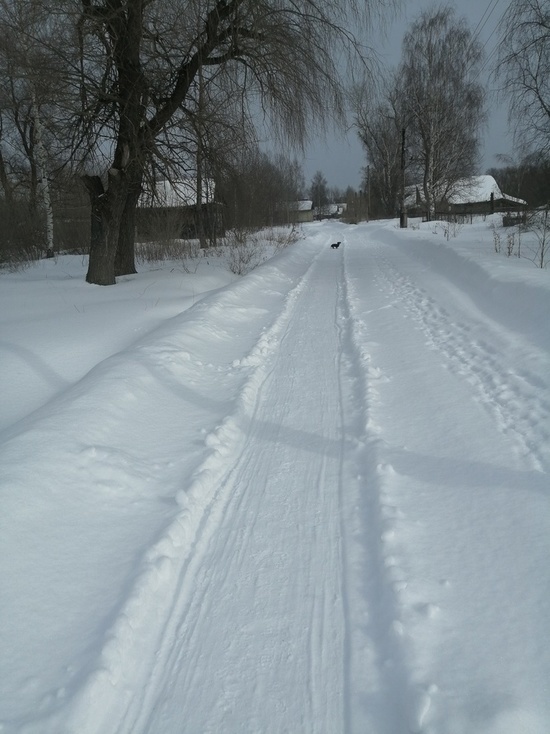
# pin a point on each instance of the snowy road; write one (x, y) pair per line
(361, 543)
(265, 608)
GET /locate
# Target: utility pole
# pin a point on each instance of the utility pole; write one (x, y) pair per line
(403, 217)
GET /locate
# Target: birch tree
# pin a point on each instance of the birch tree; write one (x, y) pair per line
(318, 191)
(29, 89)
(523, 69)
(443, 100)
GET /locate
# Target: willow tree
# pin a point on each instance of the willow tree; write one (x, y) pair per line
(139, 62)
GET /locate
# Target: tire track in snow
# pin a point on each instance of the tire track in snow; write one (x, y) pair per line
(514, 400)
(381, 693)
(121, 696)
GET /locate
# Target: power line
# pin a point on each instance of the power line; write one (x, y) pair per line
(482, 23)
(477, 30)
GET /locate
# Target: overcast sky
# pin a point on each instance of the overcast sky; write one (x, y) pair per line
(340, 157)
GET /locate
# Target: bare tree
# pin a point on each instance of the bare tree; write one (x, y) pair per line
(523, 68)
(30, 90)
(526, 177)
(442, 99)
(139, 60)
(538, 224)
(318, 191)
(256, 188)
(379, 119)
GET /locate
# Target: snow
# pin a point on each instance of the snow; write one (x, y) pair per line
(470, 190)
(304, 205)
(310, 499)
(479, 188)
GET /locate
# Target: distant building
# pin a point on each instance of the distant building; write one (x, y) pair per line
(169, 209)
(329, 211)
(296, 212)
(474, 195)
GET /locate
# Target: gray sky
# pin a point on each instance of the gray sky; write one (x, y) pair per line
(340, 157)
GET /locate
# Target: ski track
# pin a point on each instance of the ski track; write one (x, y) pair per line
(356, 674)
(329, 605)
(195, 595)
(328, 618)
(171, 565)
(278, 632)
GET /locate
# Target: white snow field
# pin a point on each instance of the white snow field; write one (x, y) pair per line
(314, 499)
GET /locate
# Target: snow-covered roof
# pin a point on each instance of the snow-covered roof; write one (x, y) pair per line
(304, 205)
(171, 194)
(474, 189)
(479, 188)
(468, 191)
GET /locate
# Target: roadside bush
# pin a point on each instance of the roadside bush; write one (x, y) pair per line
(284, 237)
(160, 239)
(182, 251)
(245, 251)
(538, 224)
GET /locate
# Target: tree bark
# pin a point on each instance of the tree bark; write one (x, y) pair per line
(113, 206)
(41, 158)
(5, 182)
(107, 205)
(125, 254)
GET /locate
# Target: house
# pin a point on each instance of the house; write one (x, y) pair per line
(299, 211)
(473, 195)
(329, 211)
(481, 194)
(169, 209)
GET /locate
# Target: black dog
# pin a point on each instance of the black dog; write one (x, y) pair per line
(335, 246)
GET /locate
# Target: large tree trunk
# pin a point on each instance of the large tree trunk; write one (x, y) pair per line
(113, 207)
(125, 254)
(107, 207)
(5, 182)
